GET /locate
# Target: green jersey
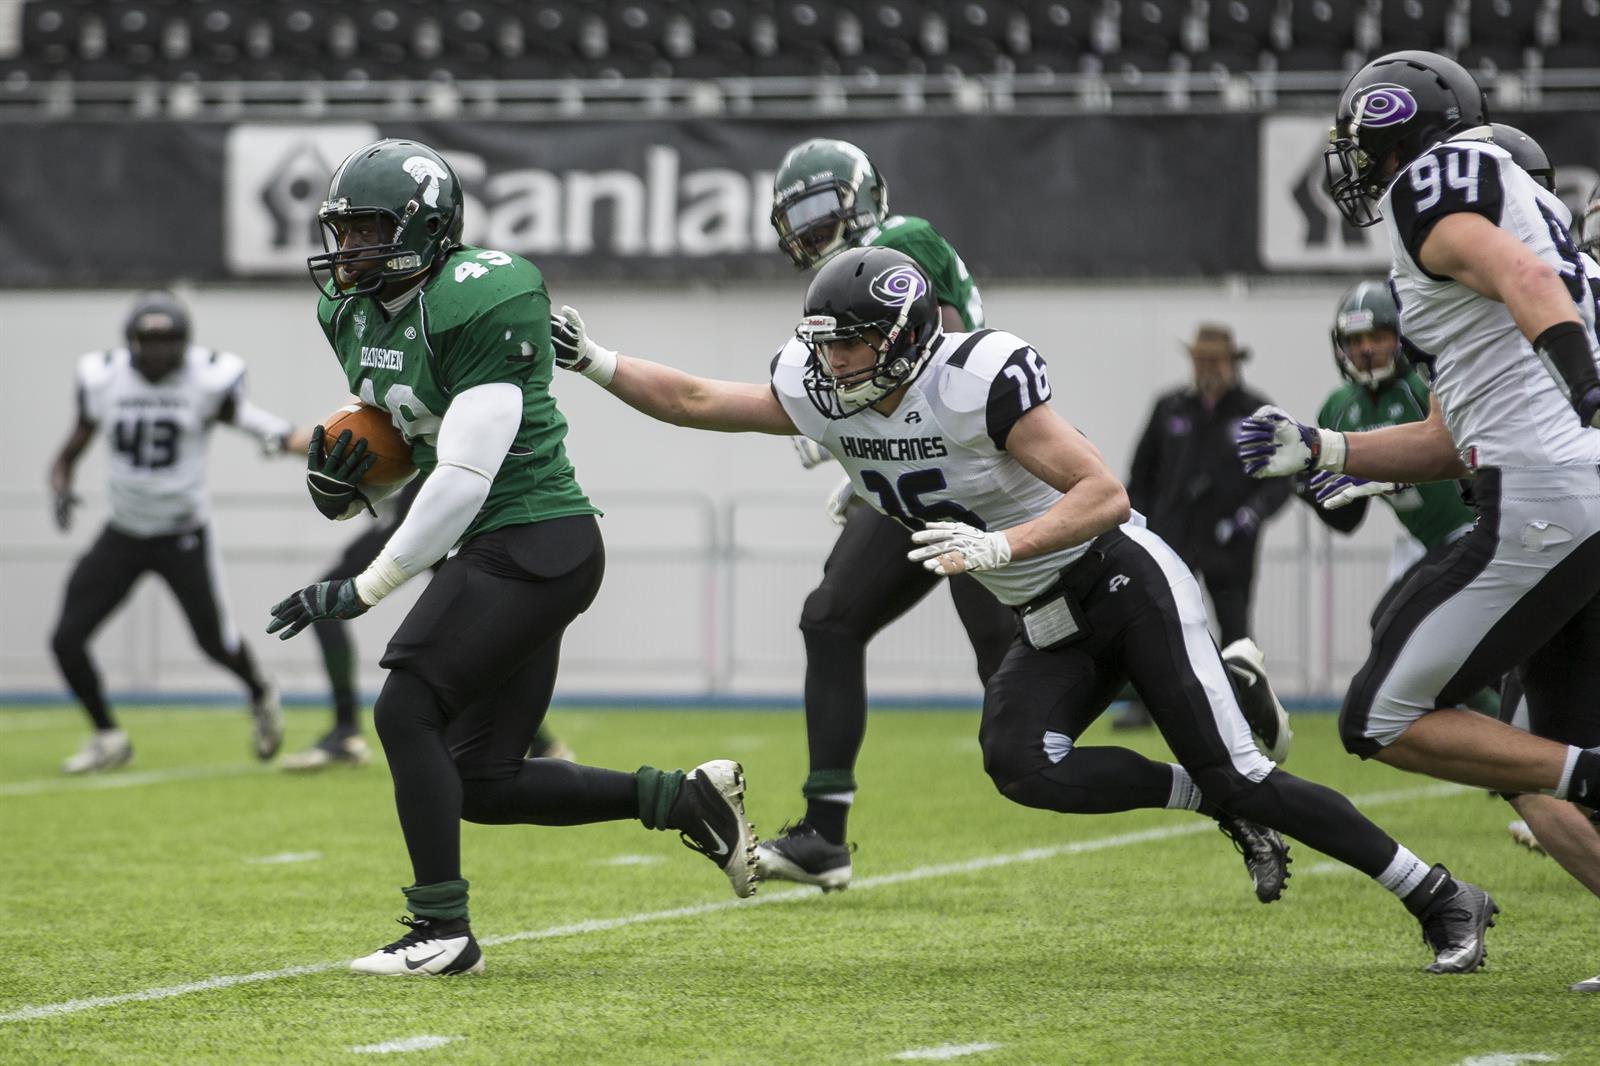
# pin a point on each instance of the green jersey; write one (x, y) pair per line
(484, 317)
(1432, 512)
(952, 284)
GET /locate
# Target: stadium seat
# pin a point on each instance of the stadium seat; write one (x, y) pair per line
(719, 23)
(220, 31)
(1240, 25)
(302, 30)
(1051, 61)
(1578, 37)
(1421, 24)
(806, 24)
(134, 30)
(978, 26)
(1064, 27)
(896, 23)
(637, 22)
(52, 30)
(1153, 33)
(469, 32)
(1321, 34)
(386, 30)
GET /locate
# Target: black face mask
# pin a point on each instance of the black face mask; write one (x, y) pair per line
(154, 357)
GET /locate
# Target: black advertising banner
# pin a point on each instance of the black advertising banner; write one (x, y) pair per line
(1093, 196)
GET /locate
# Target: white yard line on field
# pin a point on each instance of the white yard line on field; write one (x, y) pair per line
(410, 1043)
(631, 860)
(940, 1054)
(1329, 867)
(600, 925)
(283, 858)
(1508, 1058)
(95, 783)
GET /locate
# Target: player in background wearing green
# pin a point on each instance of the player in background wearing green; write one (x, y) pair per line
(454, 343)
(1381, 388)
(827, 197)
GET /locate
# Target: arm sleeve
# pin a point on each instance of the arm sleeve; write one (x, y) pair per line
(270, 430)
(1021, 385)
(474, 436)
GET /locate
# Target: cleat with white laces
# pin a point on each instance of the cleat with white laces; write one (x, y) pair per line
(1269, 722)
(801, 854)
(334, 749)
(1522, 834)
(1266, 855)
(1454, 924)
(435, 947)
(709, 816)
(106, 749)
(266, 723)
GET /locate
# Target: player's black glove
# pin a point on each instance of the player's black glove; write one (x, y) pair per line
(325, 599)
(334, 476)
(62, 505)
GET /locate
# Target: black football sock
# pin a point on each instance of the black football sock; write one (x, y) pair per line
(829, 794)
(1436, 886)
(1319, 817)
(84, 681)
(338, 658)
(1582, 783)
(551, 792)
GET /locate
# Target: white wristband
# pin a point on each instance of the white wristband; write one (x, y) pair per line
(599, 364)
(1331, 455)
(381, 577)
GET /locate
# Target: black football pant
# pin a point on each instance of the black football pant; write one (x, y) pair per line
(867, 583)
(101, 580)
(1149, 628)
(471, 671)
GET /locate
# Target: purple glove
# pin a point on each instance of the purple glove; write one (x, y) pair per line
(1333, 491)
(1272, 444)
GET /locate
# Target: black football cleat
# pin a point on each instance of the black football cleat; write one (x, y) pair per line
(709, 816)
(799, 853)
(435, 947)
(1266, 855)
(1454, 922)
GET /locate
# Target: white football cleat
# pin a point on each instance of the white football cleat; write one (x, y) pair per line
(1269, 722)
(335, 749)
(106, 749)
(435, 947)
(709, 816)
(1591, 985)
(266, 723)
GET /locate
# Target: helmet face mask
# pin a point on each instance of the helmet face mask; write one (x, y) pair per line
(157, 332)
(394, 209)
(880, 298)
(826, 194)
(1391, 111)
(1368, 310)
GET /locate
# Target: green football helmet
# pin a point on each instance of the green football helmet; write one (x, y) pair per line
(825, 195)
(1367, 308)
(414, 198)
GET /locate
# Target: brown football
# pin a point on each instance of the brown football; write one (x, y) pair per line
(383, 440)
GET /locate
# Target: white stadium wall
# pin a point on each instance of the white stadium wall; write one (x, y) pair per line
(713, 541)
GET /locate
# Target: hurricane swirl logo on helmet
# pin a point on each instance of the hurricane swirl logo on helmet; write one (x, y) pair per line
(899, 286)
(1383, 106)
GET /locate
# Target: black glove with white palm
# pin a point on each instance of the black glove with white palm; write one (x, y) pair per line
(314, 603)
(576, 351)
(1272, 443)
(333, 476)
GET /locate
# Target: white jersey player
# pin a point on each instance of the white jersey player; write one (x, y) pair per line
(953, 435)
(1493, 293)
(157, 399)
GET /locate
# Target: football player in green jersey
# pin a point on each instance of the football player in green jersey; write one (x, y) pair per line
(827, 197)
(454, 343)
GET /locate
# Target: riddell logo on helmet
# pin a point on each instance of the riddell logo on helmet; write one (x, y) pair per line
(1383, 106)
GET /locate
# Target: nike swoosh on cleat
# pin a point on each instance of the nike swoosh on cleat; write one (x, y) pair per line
(422, 962)
(722, 845)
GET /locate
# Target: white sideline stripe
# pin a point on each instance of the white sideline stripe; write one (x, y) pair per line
(631, 860)
(948, 1051)
(410, 1043)
(1508, 1058)
(284, 857)
(98, 782)
(1329, 867)
(600, 925)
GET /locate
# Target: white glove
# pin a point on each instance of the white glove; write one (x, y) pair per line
(956, 548)
(1272, 444)
(810, 452)
(1333, 491)
(839, 501)
(576, 351)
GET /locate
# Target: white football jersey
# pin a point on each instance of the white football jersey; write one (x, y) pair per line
(157, 433)
(941, 455)
(1500, 403)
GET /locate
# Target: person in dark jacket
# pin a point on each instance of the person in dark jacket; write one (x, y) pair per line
(1188, 483)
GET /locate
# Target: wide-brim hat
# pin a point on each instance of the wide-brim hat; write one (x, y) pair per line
(1211, 338)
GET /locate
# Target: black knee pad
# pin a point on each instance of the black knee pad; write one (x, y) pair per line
(402, 703)
(829, 613)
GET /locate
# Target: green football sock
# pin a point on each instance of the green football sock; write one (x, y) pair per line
(446, 899)
(658, 789)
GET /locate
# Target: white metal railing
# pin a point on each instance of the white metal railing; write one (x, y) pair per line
(701, 599)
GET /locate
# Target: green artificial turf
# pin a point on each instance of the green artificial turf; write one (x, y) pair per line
(1077, 941)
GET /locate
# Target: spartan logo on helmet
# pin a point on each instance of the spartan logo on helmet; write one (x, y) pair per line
(428, 175)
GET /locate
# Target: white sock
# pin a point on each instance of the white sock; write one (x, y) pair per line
(1404, 872)
(1185, 795)
(1560, 791)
